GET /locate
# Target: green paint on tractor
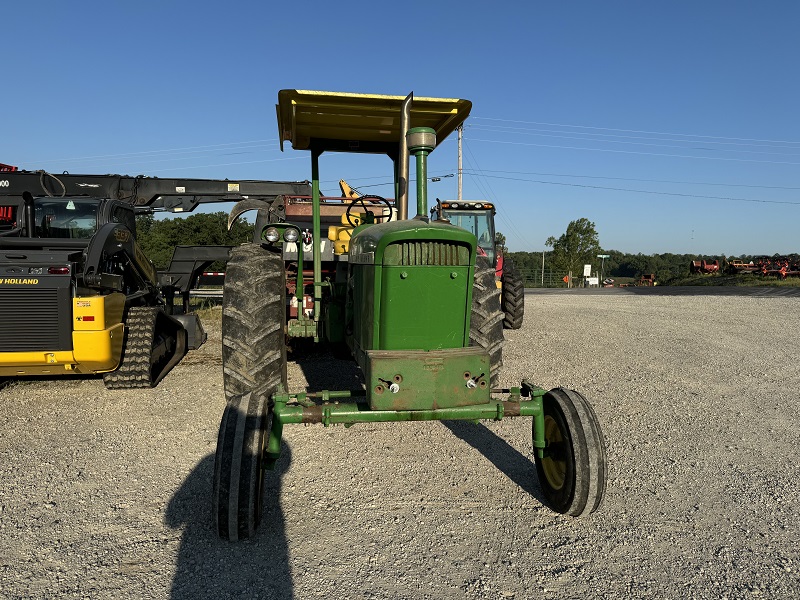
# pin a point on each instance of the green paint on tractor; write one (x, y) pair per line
(417, 308)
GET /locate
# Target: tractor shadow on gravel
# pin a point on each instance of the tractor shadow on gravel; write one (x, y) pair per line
(210, 568)
(511, 462)
(327, 369)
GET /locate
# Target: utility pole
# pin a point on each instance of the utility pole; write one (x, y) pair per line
(460, 129)
(542, 268)
(603, 258)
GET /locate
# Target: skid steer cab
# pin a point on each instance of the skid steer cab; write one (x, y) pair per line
(413, 301)
(79, 295)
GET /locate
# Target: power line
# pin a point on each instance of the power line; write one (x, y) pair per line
(584, 139)
(655, 192)
(750, 160)
(508, 223)
(636, 131)
(768, 187)
(502, 129)
(477, 173)
(248, 162)
(146, 152)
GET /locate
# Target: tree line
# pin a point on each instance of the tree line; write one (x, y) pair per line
(580, 245)
(158, 237)
(577, 246)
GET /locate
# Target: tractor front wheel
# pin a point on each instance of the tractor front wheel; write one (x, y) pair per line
(238, 488)
(572, 473)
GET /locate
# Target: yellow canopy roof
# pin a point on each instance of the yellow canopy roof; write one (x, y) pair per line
(360, 122)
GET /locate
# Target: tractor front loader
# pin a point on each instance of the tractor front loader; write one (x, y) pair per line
(77, 293)
(410, 298)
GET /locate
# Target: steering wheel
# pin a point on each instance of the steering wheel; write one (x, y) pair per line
(372, 200)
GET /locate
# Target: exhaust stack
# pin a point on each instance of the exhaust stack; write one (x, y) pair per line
(402, 159)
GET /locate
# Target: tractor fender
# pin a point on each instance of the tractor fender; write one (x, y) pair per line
(273, 210)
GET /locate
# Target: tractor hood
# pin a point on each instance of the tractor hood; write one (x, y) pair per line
(410, 243)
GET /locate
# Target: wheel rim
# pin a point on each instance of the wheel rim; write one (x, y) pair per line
(554, 463)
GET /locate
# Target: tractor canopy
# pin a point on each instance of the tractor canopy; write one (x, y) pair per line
(346, 122)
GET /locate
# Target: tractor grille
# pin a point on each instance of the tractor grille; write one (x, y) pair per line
(426, 253)
(29, 320)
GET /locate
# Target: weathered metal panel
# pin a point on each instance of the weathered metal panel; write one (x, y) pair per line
(425, 380)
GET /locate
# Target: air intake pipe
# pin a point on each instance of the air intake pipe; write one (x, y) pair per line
(421, 141)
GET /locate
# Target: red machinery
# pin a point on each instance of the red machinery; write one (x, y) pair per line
(704, 266)
(773, 266)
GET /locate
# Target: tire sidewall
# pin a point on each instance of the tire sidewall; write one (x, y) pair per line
(560, 499)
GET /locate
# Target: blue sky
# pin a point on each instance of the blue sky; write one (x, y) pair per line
(672, 125)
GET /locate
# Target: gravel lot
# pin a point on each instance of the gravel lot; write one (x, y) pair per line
(107, 494)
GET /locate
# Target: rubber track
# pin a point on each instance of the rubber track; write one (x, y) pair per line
(135, 369)
(486, 323)
(513, 300)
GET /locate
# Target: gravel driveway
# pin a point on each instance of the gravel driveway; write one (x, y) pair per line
(106, 494)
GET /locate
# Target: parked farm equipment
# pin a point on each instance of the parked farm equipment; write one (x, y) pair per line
(704, 266)
(646, 280)
(769, 266)
(411, 299)
(478, 218)
(78, 295)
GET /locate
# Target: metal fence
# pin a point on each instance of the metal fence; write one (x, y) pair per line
(535, 278)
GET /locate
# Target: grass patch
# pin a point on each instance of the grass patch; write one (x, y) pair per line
(209, 313)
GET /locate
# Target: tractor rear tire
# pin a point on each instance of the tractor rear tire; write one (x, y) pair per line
(253, 322)
(513, 298)
(486, 323)
(254, 365)
(573, 472)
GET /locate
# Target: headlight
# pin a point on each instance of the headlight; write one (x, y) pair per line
(454, 204)
(291, 235)
(272, 235)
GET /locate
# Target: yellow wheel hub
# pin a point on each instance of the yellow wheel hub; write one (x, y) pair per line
(554, 463)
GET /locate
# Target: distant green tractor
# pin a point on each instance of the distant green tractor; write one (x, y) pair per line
(410, 299)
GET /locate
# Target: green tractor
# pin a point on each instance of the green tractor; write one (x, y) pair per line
(410, 299)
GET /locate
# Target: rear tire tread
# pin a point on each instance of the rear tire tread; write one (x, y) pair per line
(513, 297)
(486, 323)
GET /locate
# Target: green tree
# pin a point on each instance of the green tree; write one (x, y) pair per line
(158, 238)
(500, 242)
(578, 246)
